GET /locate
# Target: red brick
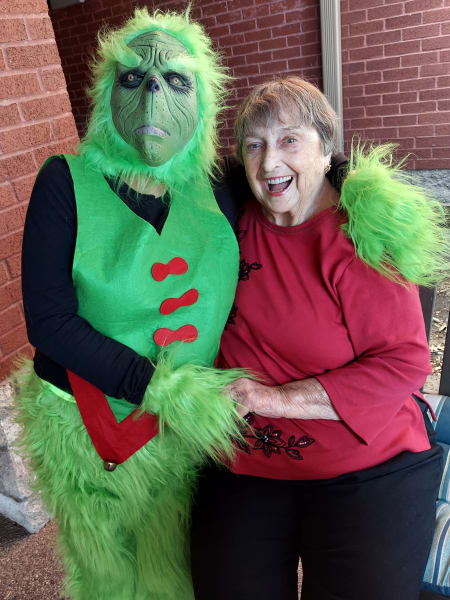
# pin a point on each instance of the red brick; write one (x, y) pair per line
(273, 67)
(53, 79)
(382, 110)
(383, 12)
(16, 86)
(365, 123)
(417, 84)
(384, 38)
(443, 81)
(423, 31)
(46, 107)
(309, 49)
(9, 115)
(382, 88)
(361, 78)
(2, 61)
(303, 63)
(365, 100)
(397, 74)
(7, 195)
(304, 15)
(233, 40)
(437, 118)
(381, 64)
(441, 153)
(12, 30)
(444, 105)
(259, 57)
(245, 70)
(354, 67)
(418, 107)
(354, 91)
(16, 166)
(354, 16)
(355, 4)
(10, 319)
(289, 29)
(432, 164)
(234, 4)
(256, 36)
(214, 9)
(64, 127)
(65, 146)
(399, 120)
(286, 53)
(437, 43)
(14, 265)
(303, 38)
(436, 16)
(422, 152)
(10, 244)
(13, 340)
(269, 22)
(32, 55)
(313, 25)
(446, 27)
(386, 133)
(435, 94)
(220, 31)
(444, 129)
(23, 187)
(244, 26)
(399, 98)
(253, 12)
(368, 27)
(231, 16)
(402, 48)
(403, 21)
(354, 113)
(40, 28)
(22, 138)
(4, 273)
(422, 5)
(357, 41)
(423, 58)
(439, 69)
(23, 7)
(367, 53)
(273, 44)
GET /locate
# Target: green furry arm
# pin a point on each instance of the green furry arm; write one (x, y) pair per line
(192, 402)
(395, 226)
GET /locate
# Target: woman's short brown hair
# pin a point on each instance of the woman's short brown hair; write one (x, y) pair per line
(294, 96)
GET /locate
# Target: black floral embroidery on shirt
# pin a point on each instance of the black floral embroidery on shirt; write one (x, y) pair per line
(240, 233)
(245, 269)
(232, 316)
(270, 441)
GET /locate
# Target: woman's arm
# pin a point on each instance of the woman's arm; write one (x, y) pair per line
(305, 399)
(50, 301)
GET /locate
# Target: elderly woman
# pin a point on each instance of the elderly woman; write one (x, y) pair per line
(339, 465)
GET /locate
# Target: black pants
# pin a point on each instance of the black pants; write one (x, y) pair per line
(361, 536)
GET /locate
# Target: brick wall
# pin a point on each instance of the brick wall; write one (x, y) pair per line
(258, 39)
(35, 122)
(396, 76)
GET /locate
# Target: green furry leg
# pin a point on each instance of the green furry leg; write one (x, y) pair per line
(123, 534)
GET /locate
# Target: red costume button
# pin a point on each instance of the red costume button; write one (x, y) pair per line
(164, 337)
(172, 304)
(176, 266)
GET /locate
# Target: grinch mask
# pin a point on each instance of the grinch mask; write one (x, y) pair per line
(154, 107)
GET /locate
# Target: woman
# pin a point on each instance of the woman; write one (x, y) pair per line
(339, 465)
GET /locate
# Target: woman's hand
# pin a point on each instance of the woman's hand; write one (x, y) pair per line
(305, 399)
(252, 396)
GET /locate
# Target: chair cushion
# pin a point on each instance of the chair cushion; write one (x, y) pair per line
(441, 407)
(437, 573)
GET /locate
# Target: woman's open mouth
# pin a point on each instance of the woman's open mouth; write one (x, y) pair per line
(278, 185)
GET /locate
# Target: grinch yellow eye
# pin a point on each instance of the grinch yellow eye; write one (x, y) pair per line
(176, 81)
(131, 77)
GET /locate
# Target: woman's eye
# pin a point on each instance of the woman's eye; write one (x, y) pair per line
(252, 146)
(290, 140)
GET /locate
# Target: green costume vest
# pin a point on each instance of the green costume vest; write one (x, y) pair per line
(124, 271)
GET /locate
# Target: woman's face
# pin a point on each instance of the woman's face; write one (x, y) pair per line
(285, 167)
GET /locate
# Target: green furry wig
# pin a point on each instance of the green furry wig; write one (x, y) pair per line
(106, 151)
(395, 226)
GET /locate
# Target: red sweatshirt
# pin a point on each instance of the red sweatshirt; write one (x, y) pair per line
(306, 306)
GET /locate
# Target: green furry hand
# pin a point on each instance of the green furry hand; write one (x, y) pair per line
(191, 401)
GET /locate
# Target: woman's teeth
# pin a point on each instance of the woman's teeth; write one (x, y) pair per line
(278, 184)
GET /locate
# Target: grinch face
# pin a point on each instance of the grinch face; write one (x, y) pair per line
(154, 106)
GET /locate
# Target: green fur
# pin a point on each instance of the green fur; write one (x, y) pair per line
(191, 402)
(124, 534)
(107, 152)
(396, 227)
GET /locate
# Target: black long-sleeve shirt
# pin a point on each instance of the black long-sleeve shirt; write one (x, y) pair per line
(62, 338)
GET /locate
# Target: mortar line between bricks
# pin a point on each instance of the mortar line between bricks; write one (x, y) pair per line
(23, 124)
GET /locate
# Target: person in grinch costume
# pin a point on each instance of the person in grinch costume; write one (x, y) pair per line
(129, 273)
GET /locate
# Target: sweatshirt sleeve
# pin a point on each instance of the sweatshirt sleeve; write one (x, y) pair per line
(392, 359)
(50, 301)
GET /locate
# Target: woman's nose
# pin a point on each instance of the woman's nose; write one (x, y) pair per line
(270, 160)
